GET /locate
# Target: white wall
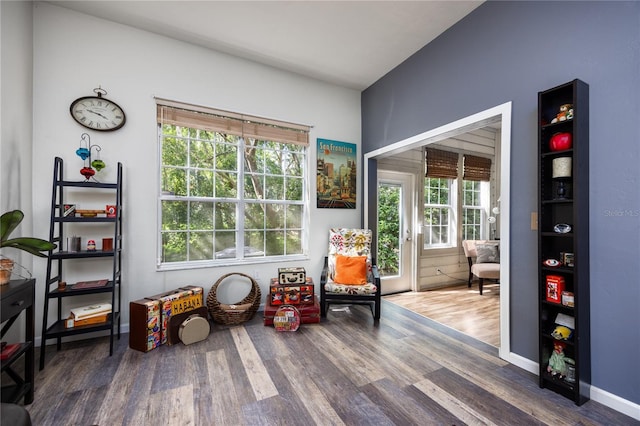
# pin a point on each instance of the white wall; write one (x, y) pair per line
(74, 53)
(15, 124)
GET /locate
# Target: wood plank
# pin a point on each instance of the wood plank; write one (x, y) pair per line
(223, 406)
(258, 376)
(314, 401)
(452, 404)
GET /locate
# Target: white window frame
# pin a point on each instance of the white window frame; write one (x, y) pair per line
(484, 195)
(453, 216)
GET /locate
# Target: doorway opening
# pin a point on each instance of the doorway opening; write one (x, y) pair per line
(499, 116)
(396, 251)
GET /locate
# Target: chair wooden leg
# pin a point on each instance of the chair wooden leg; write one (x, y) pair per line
(481, 282)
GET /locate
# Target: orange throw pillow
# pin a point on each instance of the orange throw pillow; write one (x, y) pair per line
(351, 270)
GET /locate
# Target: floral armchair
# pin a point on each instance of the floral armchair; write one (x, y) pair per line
(350, 275)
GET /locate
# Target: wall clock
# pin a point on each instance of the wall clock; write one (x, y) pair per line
(98, 113)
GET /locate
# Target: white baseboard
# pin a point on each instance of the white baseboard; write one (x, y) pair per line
(603, 397)
(524, 363)
(615, 402)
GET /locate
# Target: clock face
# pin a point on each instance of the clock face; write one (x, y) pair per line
(97, 113)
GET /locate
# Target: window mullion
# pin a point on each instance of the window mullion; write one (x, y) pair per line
(240, 205)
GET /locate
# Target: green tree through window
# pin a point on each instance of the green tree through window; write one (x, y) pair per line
(225, 197)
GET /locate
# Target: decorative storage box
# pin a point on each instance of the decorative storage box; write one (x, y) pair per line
(286, 294)
(287, 318)
(177, 320)
(292, 275)
(309, 314)
(555, 287)
(176, 301)
(144, 327)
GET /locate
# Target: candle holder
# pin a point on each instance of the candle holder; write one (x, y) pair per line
(561, 173)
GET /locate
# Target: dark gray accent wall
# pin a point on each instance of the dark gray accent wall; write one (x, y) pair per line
(509, 51)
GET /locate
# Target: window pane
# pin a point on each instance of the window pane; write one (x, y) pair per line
(201, 154)
(174, 246)
(294, 164)
(294, 216)
(254, 159)
(275, 243)
(200, 215)
(273, 162)
(226, 185)
(254, 243)
(174, 150)
(294, 242)
(227, 156)
(253, 187)
(174, 181)
(225, 243)
(201, 183)
(275, 219)
(294, 189)
(225, 216)
(174, 215)
(254, 216)
(201, 245)
(274, 188)
(388, 257)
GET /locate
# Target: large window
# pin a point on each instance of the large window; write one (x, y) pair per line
(438, 212)
(233, 188)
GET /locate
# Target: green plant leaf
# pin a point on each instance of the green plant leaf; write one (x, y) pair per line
(9, 221)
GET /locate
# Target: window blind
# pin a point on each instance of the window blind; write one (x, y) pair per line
(199, 117)
(477, 168)
(441, 164)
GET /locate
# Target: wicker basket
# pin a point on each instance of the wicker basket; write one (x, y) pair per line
(235, 313)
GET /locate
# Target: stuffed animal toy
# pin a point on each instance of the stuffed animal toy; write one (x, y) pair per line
(557, 361)
(562, 333)
(566, 113)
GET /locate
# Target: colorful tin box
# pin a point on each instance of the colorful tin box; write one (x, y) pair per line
(145, 323)
(287, 294)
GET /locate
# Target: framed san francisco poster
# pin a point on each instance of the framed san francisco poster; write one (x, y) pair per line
(336, 174)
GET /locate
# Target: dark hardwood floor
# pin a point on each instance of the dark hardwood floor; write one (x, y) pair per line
(405, 370)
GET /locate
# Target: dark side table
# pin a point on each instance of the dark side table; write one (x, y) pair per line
(18, 296)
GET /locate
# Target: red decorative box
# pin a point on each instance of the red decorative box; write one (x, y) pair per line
(309, 314)
(298, 294)
(555, 287)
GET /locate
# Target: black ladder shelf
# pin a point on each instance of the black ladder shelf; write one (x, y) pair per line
(55, 270)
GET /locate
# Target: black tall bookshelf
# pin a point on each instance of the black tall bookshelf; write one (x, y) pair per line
(112, 225)
(563, 240)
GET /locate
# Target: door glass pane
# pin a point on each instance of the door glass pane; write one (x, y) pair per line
(388, 257)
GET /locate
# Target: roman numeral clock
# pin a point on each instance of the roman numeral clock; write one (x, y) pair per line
(98, 113)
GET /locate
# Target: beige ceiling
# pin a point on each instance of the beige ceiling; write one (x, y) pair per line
(348, 43)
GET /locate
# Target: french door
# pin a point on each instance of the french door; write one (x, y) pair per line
(396, 248)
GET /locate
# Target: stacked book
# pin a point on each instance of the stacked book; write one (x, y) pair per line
(96, 313)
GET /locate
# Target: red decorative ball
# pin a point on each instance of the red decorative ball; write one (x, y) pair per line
(560, 141)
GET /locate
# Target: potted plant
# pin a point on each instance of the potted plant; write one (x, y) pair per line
(9, 221)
